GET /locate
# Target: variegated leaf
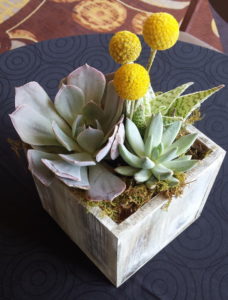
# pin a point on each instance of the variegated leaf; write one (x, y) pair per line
(186, 104)
(164, 101)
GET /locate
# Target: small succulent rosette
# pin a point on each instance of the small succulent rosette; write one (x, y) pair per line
(70, 138)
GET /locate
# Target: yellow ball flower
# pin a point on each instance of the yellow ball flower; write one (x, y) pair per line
(131, 81)
(161, 31)
(125, 47)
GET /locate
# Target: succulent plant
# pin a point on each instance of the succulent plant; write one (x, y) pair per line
(172, 104)
(158, 156)
(71, 136)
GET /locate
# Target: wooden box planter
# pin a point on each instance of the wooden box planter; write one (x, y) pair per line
(119, 250)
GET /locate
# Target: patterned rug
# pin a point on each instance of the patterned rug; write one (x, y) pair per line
(27, 21)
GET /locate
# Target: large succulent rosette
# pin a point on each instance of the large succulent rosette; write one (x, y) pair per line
(71, 137)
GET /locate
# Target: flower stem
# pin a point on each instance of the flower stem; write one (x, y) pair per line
(151, 59)
(132, 109)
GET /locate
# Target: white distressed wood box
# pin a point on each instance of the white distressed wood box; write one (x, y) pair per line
(119, 250)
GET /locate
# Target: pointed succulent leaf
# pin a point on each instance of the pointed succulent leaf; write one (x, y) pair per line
(33, 95)
(126, 170)
(167, 121)
(147, 163)
(186, 104)
(180, 166)
(183, 158)
(154, 134)
(134, 138)
(183, 143)
(37, 168)
(69, 102)
(77, 125)
(113, 107)
(93, 112)
(172, 181)
(130, 158)
(105, 150)
(90, 139)
(79, 159)
(83, 184)
(157, 151)
(104, 184)
(163, 102)
(119, 139)
(171, 133)
(142, 175)
(64, 139)
(169, 155)
(32, 127)
(63, 169)
(90, 81)
(161, 172)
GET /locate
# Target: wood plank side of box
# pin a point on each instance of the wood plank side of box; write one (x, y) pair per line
(119, 250)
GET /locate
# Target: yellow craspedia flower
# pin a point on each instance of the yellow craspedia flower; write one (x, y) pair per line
(161, 31)
(125, 47)
(131, 81)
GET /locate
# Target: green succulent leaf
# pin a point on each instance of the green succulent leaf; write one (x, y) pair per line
(171, 133)
(134, 138)
(172, 181)
(79, 159)
(69, 102)
(82, 184)
(90, 139)
(161, 172)
(170, 120)
(77, 125)
(142, 175)
(130, 158)
(64, 139)
(163, 102)
(147, 163)
(37, 168)
(113, 107)
(169, 155)
(180, 166)
(92, 112)
(34, 96)
(154, 134)
(183, 143)
(156, 152)
(126, 170)
(104, 184)
(186, 104)
(32, 127)
(90, 81)
(63, 169)
(183, 158)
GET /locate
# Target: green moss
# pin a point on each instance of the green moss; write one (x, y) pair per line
(135, 196)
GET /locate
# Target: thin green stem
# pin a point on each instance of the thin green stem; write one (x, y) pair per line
(132, 109)
(151, 59)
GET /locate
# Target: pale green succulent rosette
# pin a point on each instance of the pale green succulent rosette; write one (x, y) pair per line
(71, 136)
(158, 155)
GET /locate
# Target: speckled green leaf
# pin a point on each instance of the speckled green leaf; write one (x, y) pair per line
(186, 104)
(163, 102)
